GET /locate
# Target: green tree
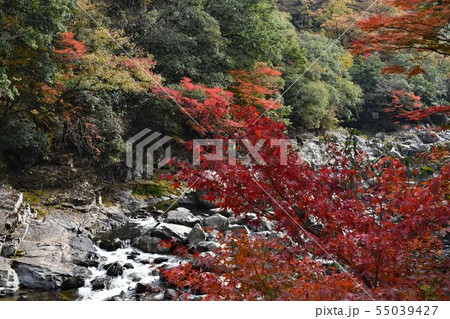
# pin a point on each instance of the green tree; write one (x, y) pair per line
(28, 32)
(256, 30)
(185, 40)
(326, 84)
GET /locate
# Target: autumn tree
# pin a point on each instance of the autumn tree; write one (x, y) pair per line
(372, 221)
(421, 25)
(28, 33)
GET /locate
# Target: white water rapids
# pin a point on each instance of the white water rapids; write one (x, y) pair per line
(125, 284)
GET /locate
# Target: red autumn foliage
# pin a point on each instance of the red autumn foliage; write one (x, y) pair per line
(408, 106)
(72, 50)
(409, 24)
(257, 268)
(258, 86)
(374, 221)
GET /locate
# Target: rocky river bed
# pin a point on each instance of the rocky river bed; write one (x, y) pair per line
(62, 238)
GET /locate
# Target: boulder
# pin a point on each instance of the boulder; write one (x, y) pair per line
(9, 281)
(81, 198)
(189, 200)
(170, 294)
(418, 148)
(151, 245)
(196, 235)
(160, 260)
(128, 266)
(74, 282)
(217, 221)
(181, 217)
(171, 231)
(204, 246)
(429, 137)
(111, 245)
(239, 230)
(83, 252)
(141, 288)
(42, 273)
(223, 212)
(46, 260)
(114, 270)
(99, 283)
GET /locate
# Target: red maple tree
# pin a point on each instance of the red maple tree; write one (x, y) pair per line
(374, 222)
(407, 105)
(408, 24)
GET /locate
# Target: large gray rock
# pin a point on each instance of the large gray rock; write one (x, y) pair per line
(51, 251)
(83, 252)
(181, 217)
(171, 231)
(204, 246)
(151, 245)
(217, 221)
(11, 216)
(429, 137)
(9, 282)
(42, 274)
(196, 235)
(81, 198)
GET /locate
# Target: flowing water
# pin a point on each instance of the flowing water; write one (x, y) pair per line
(124, 285)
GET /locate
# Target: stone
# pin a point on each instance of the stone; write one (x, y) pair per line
(183, 210)
(170, 294)
(9, 281)
(196, 235)
(111, 245)
(154, 272)
(83, 251)
(9, 249)
(128, 266)
(181, 217)
(151, 245)
(141, 288)
(114, 270)
(429, 137)
(419, 148)
(51, 250)
(74, 282)
(81, 198)
(223, 212)
(82, 272)
(99, 283)
(160, 260)
(171, 231)
(43, 274)
(204, 246)
(395, 154)
(189, 200)
(265, 224)
(217, 221)
(202, 197)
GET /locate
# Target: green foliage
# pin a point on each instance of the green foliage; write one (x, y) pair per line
(256, 31)
(432, 85)
(203, 40)
(21, 141)
(312, 109)
(325, 91)
(153, 189)
(185, 40)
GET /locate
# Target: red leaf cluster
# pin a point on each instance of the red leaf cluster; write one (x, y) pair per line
(374, 221)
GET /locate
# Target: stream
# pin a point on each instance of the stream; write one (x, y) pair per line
(141, 269)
